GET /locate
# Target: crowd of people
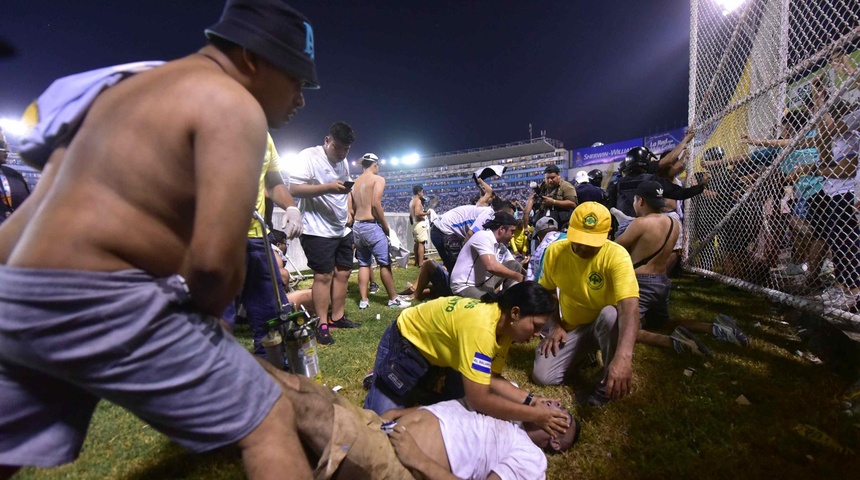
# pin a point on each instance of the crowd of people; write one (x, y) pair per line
(142, 316)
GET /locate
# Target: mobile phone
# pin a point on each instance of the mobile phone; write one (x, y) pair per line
(348, 184)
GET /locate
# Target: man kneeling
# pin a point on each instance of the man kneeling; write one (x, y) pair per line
(436, 441)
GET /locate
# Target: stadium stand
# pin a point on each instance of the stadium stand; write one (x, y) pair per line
(448, 176)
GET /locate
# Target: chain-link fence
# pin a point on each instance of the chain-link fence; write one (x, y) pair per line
(775, 106)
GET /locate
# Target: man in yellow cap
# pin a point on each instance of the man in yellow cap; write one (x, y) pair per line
(599, 303)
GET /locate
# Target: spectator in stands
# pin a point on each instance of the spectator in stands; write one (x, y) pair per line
(546, 232)
(555, 197)
(585, 191)
(485, 263)
(258, 297)
(809, 251)
(599, 301)
(650, 238)
(418, 219)
(13, 187)
(670, 163)
(318, 180)
(370, 231)
(444, 440)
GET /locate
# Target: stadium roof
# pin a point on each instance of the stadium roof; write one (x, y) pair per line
(494, 152)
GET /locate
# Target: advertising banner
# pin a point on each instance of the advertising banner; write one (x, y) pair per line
(603, 154)
(663, 142)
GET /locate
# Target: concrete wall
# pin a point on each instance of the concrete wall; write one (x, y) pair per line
(399, 222)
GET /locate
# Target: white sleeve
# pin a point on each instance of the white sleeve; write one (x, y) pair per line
(523, 461)
(301, 171)
(483, 244)
(507, 255)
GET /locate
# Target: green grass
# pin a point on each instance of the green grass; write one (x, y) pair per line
(672, 426)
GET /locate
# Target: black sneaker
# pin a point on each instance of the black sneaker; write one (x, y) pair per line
(367, 381)
(324, 336)
(373, 288)
(598, 398)
(344, 323)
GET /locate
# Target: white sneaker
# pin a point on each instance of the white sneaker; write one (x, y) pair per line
(398, 303)
(362, 304)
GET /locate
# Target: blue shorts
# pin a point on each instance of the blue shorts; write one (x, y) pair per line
(440, 281)
(370, 242)
(69, 338)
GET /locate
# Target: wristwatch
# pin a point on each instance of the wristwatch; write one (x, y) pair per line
(529, 398)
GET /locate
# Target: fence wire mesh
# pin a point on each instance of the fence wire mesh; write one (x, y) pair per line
(775, 107)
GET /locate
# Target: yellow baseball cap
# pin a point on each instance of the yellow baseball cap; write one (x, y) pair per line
(589, 224)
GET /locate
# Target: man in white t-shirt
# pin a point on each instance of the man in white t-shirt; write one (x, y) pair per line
(449, 231)
(485, 263)
(320, 180)
(446, 438)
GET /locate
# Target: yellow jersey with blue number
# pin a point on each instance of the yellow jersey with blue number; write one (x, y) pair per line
(459, 333)
(271, 163)
(586, 285)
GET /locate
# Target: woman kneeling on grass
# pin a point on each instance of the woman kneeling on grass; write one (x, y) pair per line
(469, 339)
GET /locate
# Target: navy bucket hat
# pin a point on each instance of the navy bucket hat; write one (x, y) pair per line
(273, 30)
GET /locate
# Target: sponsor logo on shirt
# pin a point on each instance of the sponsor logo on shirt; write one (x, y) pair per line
(595, 281)
(481, 363)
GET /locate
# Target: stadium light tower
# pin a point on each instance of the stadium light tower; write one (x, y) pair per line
(729, 6)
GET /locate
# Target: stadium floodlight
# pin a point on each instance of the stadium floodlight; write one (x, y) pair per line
(382, 162)
(729, 6)
(411, 159)
(13, 127)
(395, 161)
(596, 144)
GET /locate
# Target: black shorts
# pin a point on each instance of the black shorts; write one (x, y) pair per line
(324, 253)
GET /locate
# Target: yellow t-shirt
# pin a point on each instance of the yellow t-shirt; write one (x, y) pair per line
(271, 163)
(588, 285)
(458, 333)
(520, 240)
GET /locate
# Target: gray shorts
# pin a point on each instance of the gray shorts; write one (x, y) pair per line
(69, 338)
(654, 300)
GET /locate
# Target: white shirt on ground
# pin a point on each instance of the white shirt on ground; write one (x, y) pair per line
(323, 216)
(469, 271)
(478, 445)
(459, 220)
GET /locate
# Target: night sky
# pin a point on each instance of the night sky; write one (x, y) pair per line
(425, 77)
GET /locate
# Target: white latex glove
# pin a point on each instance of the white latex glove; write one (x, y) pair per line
(292, 222)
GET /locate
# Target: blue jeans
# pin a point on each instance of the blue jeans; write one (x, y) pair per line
(437, 385)
(379, 398)
(257, 295)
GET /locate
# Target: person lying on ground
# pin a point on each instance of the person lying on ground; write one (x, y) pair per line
(441, 441)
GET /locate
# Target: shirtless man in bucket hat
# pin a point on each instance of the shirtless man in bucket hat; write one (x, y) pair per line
(153, 196)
